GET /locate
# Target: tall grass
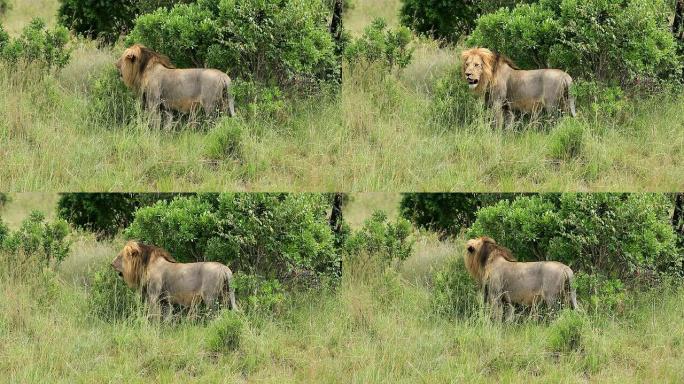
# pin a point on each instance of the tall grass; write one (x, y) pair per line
(378, 326)
(377, 135)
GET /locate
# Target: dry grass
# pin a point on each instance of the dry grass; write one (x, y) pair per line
(24, 10)
(364, 11)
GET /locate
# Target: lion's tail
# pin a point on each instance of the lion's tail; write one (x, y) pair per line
(570, 99)
(227, 85)
(570, 290)
(229, 290)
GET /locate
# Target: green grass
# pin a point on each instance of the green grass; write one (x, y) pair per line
(377, 327)
(377, 135)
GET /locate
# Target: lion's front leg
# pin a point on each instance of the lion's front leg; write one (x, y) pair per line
(153, 296)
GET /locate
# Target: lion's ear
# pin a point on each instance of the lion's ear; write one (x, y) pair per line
(131, 56)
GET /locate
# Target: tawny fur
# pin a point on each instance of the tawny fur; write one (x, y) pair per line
(160, 278)
(508, 88)
(163, 87)
(505, 281)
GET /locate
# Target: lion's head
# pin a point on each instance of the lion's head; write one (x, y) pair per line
(480, 67)
(480, 251)
(133, 260)
(135, 61)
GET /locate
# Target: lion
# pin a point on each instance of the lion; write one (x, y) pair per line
(505, 281)
(163, 87)
(506, 87)
(162, 280)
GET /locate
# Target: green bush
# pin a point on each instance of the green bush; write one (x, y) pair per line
(565, 334)
(378, 44)
(273, 42)
(566, 141)
(224, 332)
(272, 235)
(446, 212)
(36, 45)
(380, 237)
(455, 293)
(47, 241)
(613, 41)
(597, 292)
(618, 235)
(104, 213)
(447, 19)
(225, 140)
(257, 293)
(110, 299)
(106, 20)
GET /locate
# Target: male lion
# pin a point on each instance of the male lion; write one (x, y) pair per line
(163, 280)
(161, 86)
(505, 281)
(506, 87)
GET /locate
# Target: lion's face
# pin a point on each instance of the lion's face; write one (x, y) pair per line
(127, 264)
(127, 65)
(473, 68)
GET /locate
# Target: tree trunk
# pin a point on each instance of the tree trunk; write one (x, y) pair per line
(678, 214)
(336, 33)
(678, 23)
(336, 213)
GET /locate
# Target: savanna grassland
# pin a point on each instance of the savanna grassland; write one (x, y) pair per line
(376, 134)
(377, 326)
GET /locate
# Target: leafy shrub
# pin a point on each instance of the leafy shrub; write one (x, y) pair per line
(565, 333)
(256, 293)
(225, 140)
(567, 140)
(601, 100)
(104, 213)
(224, 332)
(614, 41)
(111, 103)
(106, 20)
(389, 241)
(446, 212)
(447, 19)
(378, 44)
(618, 235)
(36, 45)
(110, 299)
(597, 292)
(272, 42)
(272, 235)
(36, 237)
(455, 293)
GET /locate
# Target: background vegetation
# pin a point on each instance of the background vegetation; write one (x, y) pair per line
(405, 312)
(78, 128)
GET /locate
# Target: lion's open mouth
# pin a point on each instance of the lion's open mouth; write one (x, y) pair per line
(472, 83)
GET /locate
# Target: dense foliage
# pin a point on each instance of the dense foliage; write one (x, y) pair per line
(274, 42)
(618, 235)
(36, 45)
(273, 235)
(613, 41)
(38, 238)
(104, 213)
(379, 44)
(446, 212)
(106, 20)
(447, 19)
(380, 237)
